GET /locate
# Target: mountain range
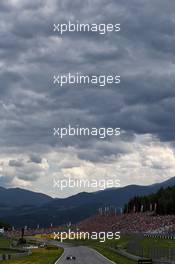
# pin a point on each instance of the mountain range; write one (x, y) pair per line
(21, 207)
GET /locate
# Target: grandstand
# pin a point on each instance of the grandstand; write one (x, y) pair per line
(130, 223)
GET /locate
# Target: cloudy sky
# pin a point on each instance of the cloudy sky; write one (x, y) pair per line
(143, 106)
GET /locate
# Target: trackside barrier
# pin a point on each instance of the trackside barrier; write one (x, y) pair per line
(14, 255)
(160, 236)
(145, 261)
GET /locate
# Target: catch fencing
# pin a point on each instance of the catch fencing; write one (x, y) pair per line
(155, 253)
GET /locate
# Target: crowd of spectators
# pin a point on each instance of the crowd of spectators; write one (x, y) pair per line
(130, 223)
(125, 223)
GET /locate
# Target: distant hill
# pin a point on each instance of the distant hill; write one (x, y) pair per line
(74, 208)
(18, 197)
(116, 197)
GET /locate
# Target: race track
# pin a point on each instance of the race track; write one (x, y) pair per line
(84, 255)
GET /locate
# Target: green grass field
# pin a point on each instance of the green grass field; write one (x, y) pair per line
(157, 242)
(112, 255)
(4, 242)
(39, 256)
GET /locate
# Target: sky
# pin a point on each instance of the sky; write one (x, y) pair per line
(143, 105)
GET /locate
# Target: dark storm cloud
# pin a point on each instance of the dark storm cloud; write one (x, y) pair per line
(28, 178)
(8, 79)
(5, 181)
(16, 163)
(35, 158)
(143, 53)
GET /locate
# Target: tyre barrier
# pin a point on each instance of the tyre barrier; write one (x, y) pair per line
(8, 256)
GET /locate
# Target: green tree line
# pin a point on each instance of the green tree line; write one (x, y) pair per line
(162, 202)
(4, 225)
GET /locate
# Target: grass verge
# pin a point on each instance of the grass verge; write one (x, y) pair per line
(39, 256)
